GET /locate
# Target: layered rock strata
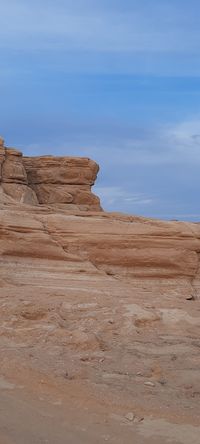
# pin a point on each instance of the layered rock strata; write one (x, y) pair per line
(63, 180)
(13, 178)
(48, 180)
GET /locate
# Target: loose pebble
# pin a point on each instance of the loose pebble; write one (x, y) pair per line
(149, 384)
(130, 416)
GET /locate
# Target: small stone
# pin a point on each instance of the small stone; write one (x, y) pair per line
(68, 376)
(138, 419)
(162, 381)
(130, 416)
(84, 358)
(190, 298)
(149, 384)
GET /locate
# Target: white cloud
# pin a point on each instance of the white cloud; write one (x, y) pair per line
(186, 135)
(113, 196)
(165, 145)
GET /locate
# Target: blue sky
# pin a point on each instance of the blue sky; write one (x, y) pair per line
(117, 81)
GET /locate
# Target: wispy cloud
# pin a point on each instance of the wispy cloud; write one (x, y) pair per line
(168, 144)
(43, 25)
(113, 197)
(185, 137)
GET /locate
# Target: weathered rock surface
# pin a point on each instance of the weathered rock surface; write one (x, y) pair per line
(96, 319)
(13, 178)
(48, 180)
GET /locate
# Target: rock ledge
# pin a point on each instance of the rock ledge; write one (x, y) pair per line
(49, 180)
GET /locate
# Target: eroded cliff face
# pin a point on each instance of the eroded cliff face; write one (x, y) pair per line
(48, 180)
(14, 184)
(100, 313)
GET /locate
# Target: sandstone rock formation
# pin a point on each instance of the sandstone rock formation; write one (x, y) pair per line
(100, 314)
(13, 178)
(48, 180)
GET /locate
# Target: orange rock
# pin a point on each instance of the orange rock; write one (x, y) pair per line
(48, 180)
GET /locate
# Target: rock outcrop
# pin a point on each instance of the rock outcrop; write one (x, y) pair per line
(100, 313)
(13, 178)
(57, 181)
